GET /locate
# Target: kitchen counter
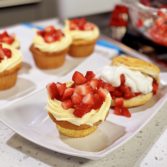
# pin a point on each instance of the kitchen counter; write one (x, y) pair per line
(16, 151)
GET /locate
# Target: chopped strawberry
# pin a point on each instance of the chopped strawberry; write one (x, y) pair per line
(155, 87)
(119, 102)
(88, 99)
(109, 87)
(61, 88)
(66, 104)
(102, 93)
(8, 40)
(89, 26)
(117, 93)
(89, 75)
(53, 91)
(98, 101)
(125, 112)
(76, 98)
(81, 110)
(94, 83)
(117, 111)
(68, 93)
(48, 38)
(78, 78)
(122, 77)
(128, 93)
(50, 29)
(83, 89)
(7, 52)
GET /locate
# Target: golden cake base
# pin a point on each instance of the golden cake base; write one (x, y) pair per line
(46, 60)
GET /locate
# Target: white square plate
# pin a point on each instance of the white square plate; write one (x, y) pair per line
(28, 117)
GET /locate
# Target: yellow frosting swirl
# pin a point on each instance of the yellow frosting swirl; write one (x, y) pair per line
(87, 35)
(9, 63)
(57, 46)
(16, 43)
(54, 107)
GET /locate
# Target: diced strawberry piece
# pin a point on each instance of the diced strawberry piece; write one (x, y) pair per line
(67, 104)
(102, 93)
(98, 101)
(7, 52)
(128, 93)
(89, 75)
(78, 78)
(119, 102)
(76, 98)
(122, 77)
(81, 110)
(155, 87)
(61, 88)
(41, 33)
(117, 93)
(94, 83)
(88, 99)
(137, 93)
(50, 29)
(117, 110)
(83, 89)
(109, 87)
(4, 34)
(89, 26)
(48, 38)
(53, 91)
(68, 93)
(8, 40)
(125, 112)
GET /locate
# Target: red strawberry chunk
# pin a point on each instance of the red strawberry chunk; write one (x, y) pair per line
(128, 93)
(61, 88)
(66, 104)
(117, 93)
(155, 87)
(125, 112)
(109, 87)
(76, 98)
(48, 38)
(49, 29)
(89, 75)
(98, 101)
(119, 102)
(122, 77)
(53, 91)
(102, 93)
(83, 89)
(81, 110)
(117, 111)
(78, 78)
(7, 52)
(68, 93)
(94, 83)
(88, 99)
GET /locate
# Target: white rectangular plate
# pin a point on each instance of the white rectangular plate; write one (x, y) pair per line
(28, 117)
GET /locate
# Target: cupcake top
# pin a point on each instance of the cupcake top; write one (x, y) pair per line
(83, 101)
(80, 29)
(9, 57)
(51, 40)
(9, 39)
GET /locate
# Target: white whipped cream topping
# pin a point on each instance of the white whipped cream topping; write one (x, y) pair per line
(9, 63)
(137, 81)
(88, 35)
(56, 46)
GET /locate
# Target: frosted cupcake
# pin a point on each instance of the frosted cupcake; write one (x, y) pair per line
(77, 108)
(50, 47)
(84, 35)
(10, 63)
(9, 39)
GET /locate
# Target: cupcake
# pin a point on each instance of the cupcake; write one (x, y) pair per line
(50, 47)
(84, 35)
(10, 63)
(9, 39)
(78, 107)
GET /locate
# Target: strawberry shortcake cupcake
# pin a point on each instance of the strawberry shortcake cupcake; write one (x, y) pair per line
(84, 35)
(50, 47)
(9, 39)
(10, 63)
(78, 107)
